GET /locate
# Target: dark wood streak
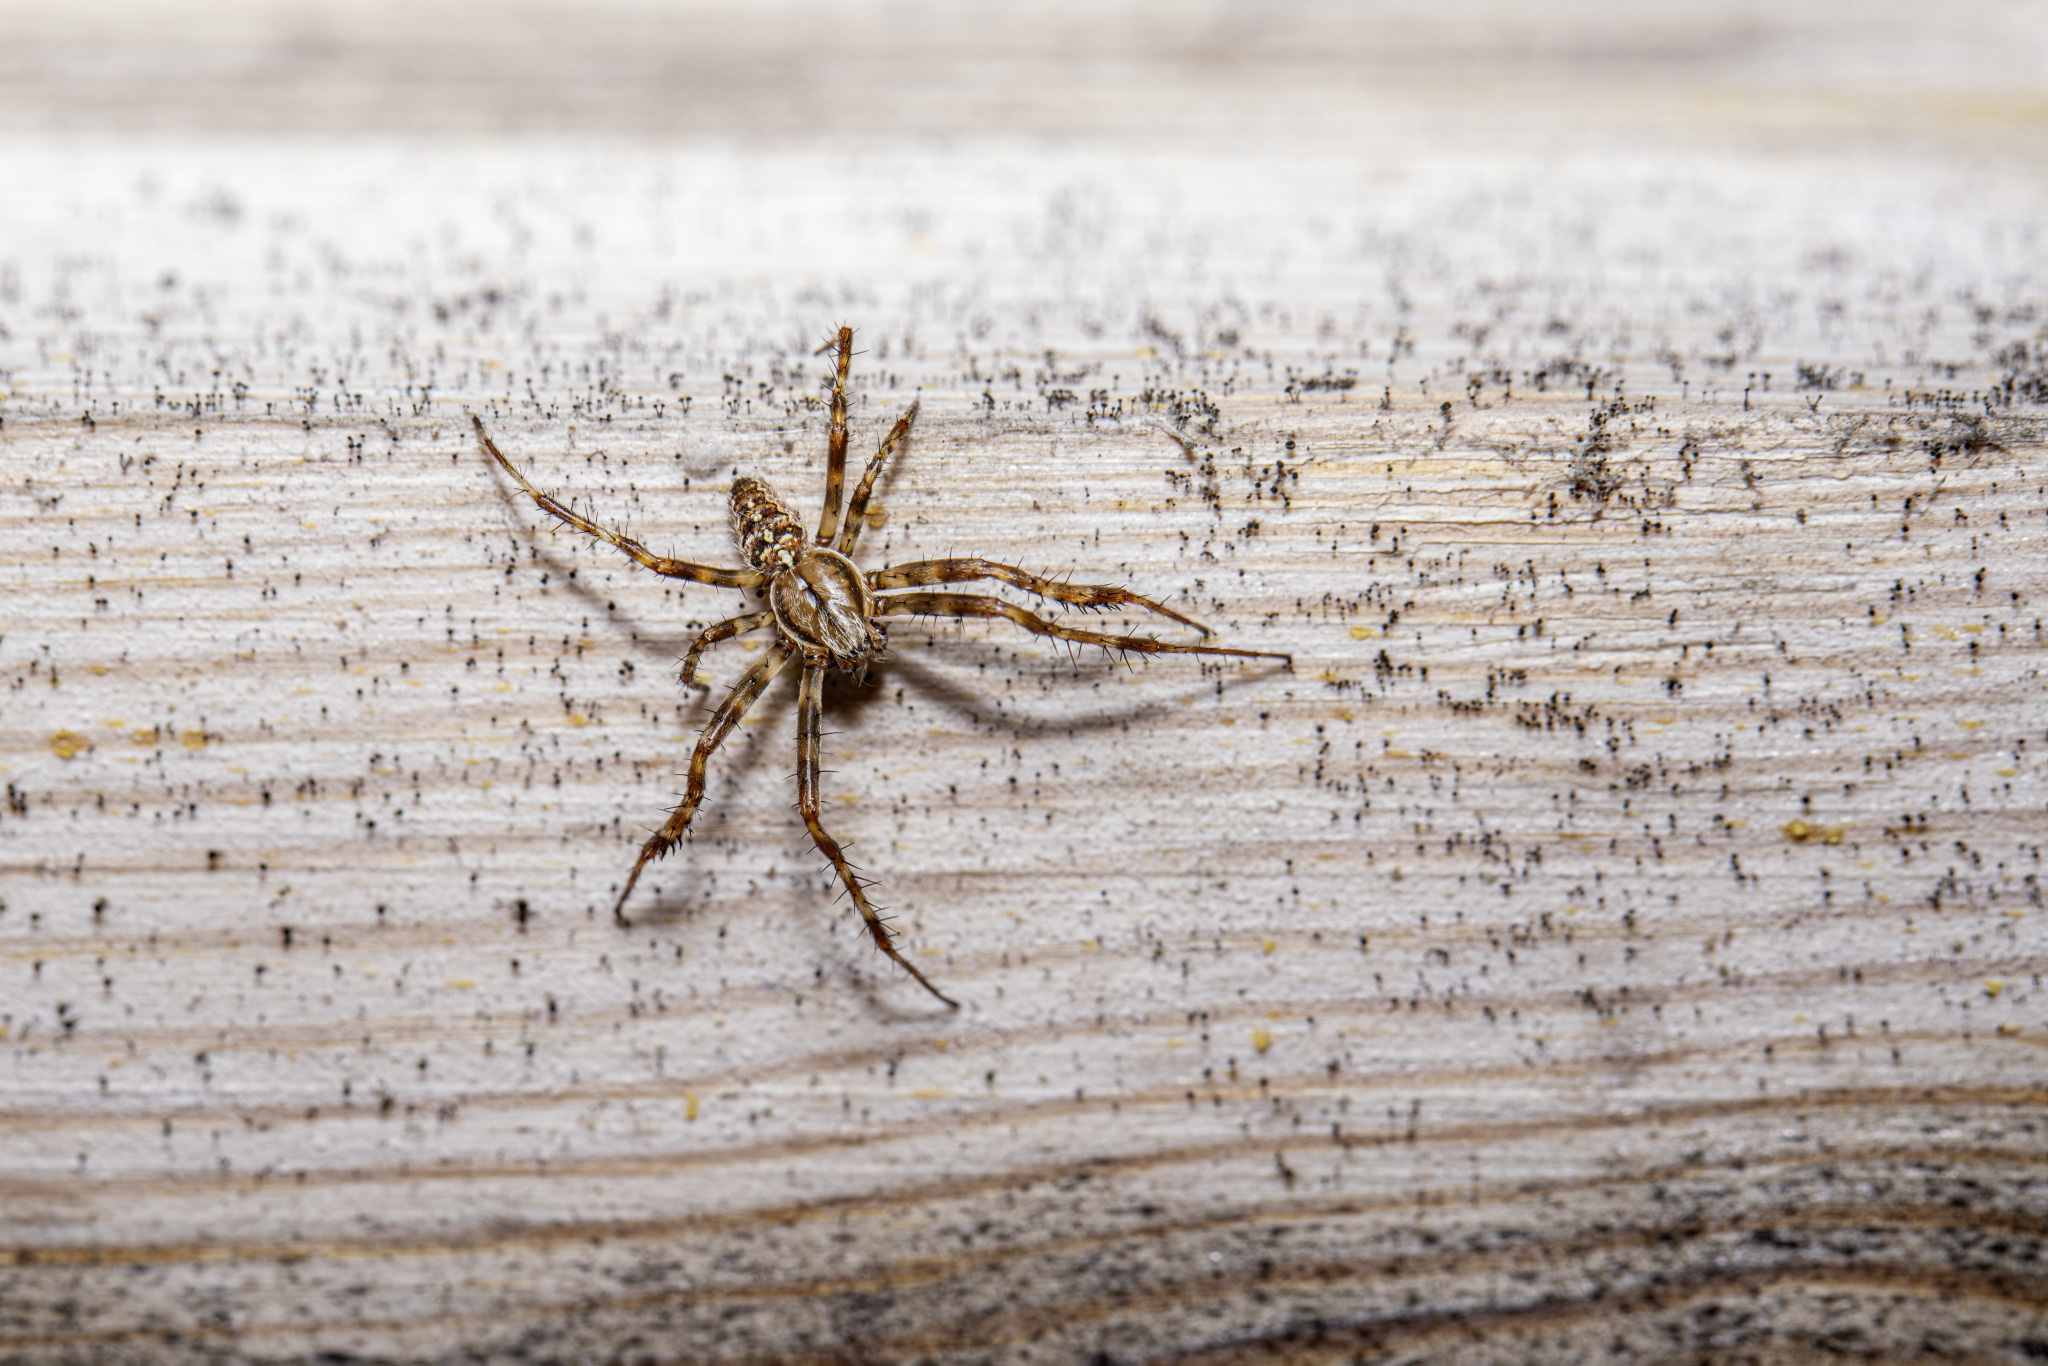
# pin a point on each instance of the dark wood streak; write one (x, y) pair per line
(1671, 1280)
(2018, 1100)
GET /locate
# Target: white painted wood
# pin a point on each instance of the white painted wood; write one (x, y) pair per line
(1623, 926)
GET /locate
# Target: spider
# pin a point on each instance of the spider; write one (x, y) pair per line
(825, 612)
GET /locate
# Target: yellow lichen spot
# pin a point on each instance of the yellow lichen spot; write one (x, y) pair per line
(941, 1045)
(69, 744)
(194, 740)
(1992, 986)
(877, 516)
(1832, 835)
(578, 719)
(2009, 1030)
(1971, 725)
(689, 1105)
(1176, 1043)
(461, 984)
(501, 687)
(1232, 720)
(1268, 945)
(309, 526)
(1363, 633)
(847, 797)
(1262, 1039)
(930, 1093)
(1799, 832)
(99, 669)
(2006, 772)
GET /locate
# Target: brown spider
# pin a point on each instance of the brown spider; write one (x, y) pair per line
(822, 608)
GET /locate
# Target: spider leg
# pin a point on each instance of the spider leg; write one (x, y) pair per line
(660, 564)
(975, 605)
(835, 460)
(715, 730)
(858, 508)
(1088, 595)
(717, 631)
(809, 701)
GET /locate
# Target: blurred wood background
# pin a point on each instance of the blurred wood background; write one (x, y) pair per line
(1620, 933)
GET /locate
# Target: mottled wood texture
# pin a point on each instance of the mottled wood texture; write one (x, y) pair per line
(1620, 935)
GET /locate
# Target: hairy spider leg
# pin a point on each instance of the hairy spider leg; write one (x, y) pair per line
(715, 730)
(858, 508)
(835, 441)
(975, 605)
(1092, 596)
(809, 705)
(712, 634)
(660, 564)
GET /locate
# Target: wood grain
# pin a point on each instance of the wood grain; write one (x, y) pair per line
(1620, 933)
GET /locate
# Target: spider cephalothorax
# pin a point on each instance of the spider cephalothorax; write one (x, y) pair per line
(825, 610)
(821, 603)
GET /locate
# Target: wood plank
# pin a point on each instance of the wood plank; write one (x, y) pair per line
(1621, 930)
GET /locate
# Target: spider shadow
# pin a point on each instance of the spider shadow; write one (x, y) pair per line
(776, 861)
(565, 572)
(973, 705)
(731, 770)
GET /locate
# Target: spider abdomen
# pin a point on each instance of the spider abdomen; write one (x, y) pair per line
(768, 533)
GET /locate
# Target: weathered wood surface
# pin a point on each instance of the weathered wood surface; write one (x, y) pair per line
(1621, 932)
